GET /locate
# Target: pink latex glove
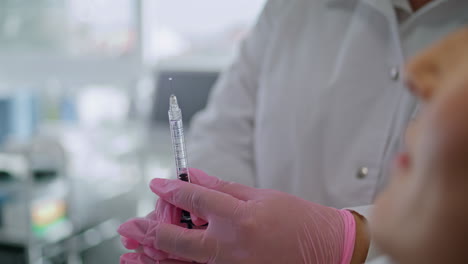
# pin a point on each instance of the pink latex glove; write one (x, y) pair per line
(246, 225)
(165, 213)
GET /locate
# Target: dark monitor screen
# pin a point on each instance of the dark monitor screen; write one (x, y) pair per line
(13, 254)
(5, 121)
(191, 88)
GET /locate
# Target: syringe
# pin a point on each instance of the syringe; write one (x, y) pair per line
(180, 152)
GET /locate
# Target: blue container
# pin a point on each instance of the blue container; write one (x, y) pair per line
(5, 118)
(19, 116)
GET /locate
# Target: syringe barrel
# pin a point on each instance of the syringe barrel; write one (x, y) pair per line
(180, 151)
(178, 140)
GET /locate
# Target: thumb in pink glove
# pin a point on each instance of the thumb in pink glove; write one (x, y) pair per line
(165, 213)
(246, 225)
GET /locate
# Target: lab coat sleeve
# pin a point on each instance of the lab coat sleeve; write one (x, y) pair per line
(374, 252)
(381, 260)
(220, 141)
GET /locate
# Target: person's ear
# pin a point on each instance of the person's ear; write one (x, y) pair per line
(423, 75)
(429, 70)
(445, 138)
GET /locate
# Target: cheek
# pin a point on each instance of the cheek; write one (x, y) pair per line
(381, 222)
(386, 205)
(402, 163)
(390, 210)
(411, 134)
(381, 210)
(385, 225)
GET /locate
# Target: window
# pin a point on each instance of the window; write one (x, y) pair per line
(209, 27)
(76, 40)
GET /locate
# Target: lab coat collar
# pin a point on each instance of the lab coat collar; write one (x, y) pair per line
(403, 5)
(387, 7)
(425, 9)
(384, 7)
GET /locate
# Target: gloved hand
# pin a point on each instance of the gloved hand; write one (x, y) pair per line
(246, 225)
(165, 213)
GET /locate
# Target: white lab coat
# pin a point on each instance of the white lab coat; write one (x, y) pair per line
(315, 104)
(381, 260)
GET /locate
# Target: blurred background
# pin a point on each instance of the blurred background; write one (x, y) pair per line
(83, 113)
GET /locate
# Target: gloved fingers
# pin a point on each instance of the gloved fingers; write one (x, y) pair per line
(136, 229)
(175, 218)
(154, 254)
(184, 243)
(197, 221)
(200, 201)
(172, 239)
(172, 261)
(129, 243)
(154, 215)
(239, 191)
(165, 213)
(135, 258)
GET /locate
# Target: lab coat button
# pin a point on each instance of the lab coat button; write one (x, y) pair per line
(362, 173)
(395, 73)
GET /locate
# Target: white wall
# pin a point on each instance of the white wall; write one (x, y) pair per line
(206, 16)
(169, 25)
